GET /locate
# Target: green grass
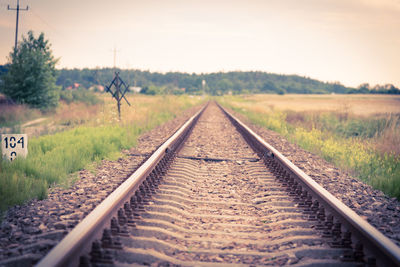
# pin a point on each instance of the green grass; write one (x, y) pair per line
(343, 124)
(53, 158)
(380, 171)
(348, 142)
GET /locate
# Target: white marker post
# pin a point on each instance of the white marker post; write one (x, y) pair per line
(14, 145)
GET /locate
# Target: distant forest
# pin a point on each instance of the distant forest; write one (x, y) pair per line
(235, 82)
(215, 83)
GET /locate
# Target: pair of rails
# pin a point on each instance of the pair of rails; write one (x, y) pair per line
(369, 242)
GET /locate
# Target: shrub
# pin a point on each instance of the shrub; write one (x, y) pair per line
(83, 96)
(31, 76)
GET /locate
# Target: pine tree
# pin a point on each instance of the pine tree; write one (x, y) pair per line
(31, 76)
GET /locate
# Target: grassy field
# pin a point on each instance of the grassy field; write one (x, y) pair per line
(358, 133)
(78, 134)
(360, 105)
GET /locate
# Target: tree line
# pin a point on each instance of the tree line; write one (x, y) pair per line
(235, 82)
(366, 88)
(220, 83)
(30, 77)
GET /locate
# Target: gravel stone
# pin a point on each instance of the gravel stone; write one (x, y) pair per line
(227, 207)
(38, 222)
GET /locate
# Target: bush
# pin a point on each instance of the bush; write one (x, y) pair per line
(152, 90)
(79, 96)
(31, 76)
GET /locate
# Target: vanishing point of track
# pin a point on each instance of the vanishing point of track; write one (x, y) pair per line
(216, 194)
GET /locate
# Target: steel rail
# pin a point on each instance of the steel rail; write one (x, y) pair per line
(387, 253)
(75, 244)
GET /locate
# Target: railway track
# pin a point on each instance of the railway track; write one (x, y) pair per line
(216, 194)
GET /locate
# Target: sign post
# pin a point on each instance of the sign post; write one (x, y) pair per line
(120, 90)
(14, 145)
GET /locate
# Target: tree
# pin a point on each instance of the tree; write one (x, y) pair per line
(31, 76)
(269, 86)
(3, 71)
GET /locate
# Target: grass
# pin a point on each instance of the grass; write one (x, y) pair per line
(75, 113)
(361, 105)
(12, 115)
(52, 158)
(365, 144)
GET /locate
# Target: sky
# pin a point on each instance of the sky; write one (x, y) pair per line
(349, 41)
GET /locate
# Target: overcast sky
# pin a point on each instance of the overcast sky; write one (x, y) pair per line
(350, 41)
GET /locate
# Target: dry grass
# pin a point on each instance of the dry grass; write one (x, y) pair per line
(11, 115)
(142, 108)
(389, 141)
(75, 113)
(70, 115)
(364, 105)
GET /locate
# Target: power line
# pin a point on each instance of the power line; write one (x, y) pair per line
(44, 21)
(115, 51)
(16, 27)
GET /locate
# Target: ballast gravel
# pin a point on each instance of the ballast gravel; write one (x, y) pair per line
(29, 231)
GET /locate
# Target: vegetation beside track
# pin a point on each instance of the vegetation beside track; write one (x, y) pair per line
(53, 157)
(367, 146)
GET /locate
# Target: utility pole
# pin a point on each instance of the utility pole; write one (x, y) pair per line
(117, 82)
(115, 58)
(16, 27)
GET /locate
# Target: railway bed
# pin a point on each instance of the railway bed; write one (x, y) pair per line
(216, 194)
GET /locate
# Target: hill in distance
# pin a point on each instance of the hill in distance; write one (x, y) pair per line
(236, 82)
